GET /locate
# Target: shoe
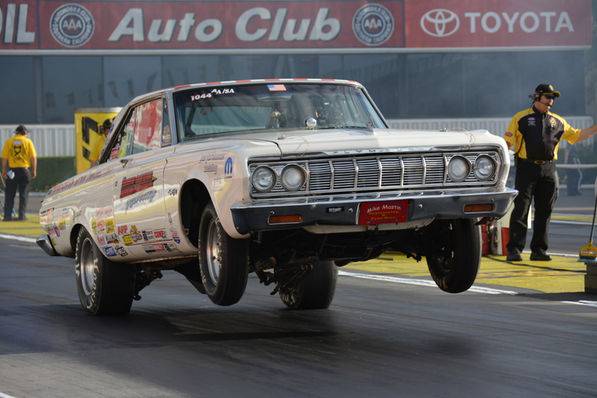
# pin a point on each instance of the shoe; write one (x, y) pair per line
(540, 257)
(513, 257)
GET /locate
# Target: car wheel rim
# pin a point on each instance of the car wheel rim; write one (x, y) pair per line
(89, 267)
(214, 251)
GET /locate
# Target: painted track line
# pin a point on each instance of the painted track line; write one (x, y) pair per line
(570, 222)
(420, 282)
(19, 238)
(424, 282)
(582, 302)
(2, 395)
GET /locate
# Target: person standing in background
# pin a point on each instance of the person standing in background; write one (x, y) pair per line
(534, 134)
(19, 167)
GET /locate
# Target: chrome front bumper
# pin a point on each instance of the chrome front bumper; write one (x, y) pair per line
(344, 209)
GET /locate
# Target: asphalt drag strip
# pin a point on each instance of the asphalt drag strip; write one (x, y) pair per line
(383, 336)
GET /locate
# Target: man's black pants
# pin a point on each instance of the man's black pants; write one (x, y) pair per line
(539, 183)
(18, 183)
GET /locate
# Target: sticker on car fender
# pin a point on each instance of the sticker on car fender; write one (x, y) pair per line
(109, 251)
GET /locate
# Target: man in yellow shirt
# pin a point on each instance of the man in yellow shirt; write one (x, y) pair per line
(534, 135)
(18, 156)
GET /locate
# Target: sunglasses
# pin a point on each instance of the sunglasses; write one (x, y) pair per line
(549, 96)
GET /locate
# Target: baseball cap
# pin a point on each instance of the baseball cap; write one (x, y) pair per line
(545, 88)
(21, 129)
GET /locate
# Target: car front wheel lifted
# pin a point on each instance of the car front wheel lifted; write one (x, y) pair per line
(454, 254)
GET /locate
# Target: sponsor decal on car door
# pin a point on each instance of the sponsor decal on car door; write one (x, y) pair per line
(139, 209)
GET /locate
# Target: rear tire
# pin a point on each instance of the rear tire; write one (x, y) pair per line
(104, 287)
(315, 291)
(454, 258)
(223, 261)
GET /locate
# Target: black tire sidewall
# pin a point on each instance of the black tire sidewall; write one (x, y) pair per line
(467, 256)
(114, 286)
(232, 280)
(316, 290)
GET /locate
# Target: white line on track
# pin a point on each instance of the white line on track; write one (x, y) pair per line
(19, 238)
(582, 302)
(2, 395)
(570, 222)
(419, 282)
(424, 282)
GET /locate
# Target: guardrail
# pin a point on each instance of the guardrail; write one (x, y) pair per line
(51, 140)
(58, 140)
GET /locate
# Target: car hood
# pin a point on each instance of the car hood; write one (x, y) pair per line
(300, 142)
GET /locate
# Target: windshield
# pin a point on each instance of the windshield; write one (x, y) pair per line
(209, 110)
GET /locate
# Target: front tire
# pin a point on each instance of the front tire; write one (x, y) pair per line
(454, 258)
(315, 291)
(104, 287)
(223, 261)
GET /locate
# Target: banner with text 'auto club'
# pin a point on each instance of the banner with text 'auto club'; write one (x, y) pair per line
(286, 26)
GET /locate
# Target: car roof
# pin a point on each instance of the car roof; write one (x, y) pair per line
(227, 83)
(264, 81)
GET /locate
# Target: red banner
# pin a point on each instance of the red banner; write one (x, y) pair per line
(498, 23)
(284, 25)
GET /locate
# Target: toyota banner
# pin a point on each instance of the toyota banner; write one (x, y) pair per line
(284, 26)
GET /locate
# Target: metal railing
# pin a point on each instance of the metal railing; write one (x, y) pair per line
(56, 140)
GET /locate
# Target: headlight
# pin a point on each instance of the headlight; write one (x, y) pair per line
(293, 177)
(263, 178)
(484, 167)
(458, 168)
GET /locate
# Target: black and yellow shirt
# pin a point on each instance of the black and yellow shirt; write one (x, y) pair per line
(18, 150)
(536, 136)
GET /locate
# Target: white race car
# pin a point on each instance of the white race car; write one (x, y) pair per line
(287, 178)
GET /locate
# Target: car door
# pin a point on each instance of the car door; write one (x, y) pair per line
(139, 208)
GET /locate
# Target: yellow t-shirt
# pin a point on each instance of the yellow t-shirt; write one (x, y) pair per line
(19, 150)
(527, 124)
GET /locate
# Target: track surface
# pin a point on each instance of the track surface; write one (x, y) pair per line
(377, 339)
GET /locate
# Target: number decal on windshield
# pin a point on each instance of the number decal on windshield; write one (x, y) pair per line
(212, 93)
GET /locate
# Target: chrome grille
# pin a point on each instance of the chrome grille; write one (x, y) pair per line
(413, 171)
(435, 166)
(344, 174)
(391, 172)
(368, 173)
(320, 176)
(383, 172)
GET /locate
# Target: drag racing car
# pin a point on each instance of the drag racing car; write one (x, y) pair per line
(285, 178)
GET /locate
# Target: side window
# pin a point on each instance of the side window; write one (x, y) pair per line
(147, 133)
(166, 132)
(121, 145)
